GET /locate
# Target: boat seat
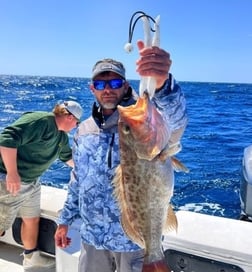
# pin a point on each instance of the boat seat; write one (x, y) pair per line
(52, 201)
(47, 228)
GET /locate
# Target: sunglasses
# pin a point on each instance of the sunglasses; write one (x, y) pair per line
(114, 84)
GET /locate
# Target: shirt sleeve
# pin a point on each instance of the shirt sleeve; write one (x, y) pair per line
(66, 151)
(170, 100)
(29, 127)
(20, 133)
(70, 210)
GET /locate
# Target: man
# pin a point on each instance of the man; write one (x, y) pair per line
(28, 147)
(105, 247)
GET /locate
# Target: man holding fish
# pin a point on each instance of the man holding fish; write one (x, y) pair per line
(122, 181)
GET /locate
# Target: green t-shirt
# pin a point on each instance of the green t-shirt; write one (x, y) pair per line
(38, 141)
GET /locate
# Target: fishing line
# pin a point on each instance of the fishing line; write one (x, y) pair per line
(128, 47)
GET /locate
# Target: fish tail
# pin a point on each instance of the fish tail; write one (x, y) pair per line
(159, 266)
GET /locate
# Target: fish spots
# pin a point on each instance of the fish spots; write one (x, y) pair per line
(144, 185)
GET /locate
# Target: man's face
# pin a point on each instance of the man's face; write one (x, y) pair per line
(109, 93)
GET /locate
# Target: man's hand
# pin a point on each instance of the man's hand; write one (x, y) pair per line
(60, 236)
(154, 62)
(13, 180)
(13, 183)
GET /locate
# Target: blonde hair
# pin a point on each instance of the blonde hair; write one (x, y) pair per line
(60, 110)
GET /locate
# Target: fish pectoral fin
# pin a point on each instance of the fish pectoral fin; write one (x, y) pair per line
(164, 154)
(169, 151)
(178, 166)
(171, 223)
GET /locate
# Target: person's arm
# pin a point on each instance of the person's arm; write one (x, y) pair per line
(70, 163)
(13, 180)
(66, 153)
(169, 98)
(67, 215)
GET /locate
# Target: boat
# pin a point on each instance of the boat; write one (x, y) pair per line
(246, 185)
(202, 243)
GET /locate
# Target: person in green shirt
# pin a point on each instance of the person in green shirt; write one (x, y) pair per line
(27, 148)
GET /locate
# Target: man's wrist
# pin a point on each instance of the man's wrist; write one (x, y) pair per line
(163, 85)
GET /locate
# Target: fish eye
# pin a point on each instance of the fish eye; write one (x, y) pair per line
(126, 129)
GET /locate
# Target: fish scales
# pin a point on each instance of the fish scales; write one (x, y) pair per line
(144, 179)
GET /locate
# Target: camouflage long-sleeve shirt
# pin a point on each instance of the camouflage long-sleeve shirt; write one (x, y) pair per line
(96, 155)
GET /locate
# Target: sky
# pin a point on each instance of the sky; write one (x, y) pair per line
(208, 40)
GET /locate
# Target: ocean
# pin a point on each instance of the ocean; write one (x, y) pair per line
(219, 129)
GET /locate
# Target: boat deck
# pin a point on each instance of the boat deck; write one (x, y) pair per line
(11, 259)
(201, 243)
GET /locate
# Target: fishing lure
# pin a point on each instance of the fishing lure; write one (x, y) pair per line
(146, 83)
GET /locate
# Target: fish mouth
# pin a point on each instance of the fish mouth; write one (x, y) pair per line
(148, 133)
(135, 113)
(135, 117)
(136, 110)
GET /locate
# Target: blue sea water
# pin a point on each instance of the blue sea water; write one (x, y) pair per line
(219, 129)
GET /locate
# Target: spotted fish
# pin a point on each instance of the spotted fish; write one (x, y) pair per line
(144, 179)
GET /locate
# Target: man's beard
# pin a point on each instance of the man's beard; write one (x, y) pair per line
(109, 105)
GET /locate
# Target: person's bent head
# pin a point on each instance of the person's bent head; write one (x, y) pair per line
(67, 115)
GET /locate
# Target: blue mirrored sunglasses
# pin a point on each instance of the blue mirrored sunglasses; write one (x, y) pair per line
(114, 84)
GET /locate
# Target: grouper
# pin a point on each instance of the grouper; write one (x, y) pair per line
(144, 180)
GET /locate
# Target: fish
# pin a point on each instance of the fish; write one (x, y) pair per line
(144, 180)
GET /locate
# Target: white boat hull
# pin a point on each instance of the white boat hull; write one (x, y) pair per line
(215, 243)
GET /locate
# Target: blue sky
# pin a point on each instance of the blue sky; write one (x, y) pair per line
(209, 40)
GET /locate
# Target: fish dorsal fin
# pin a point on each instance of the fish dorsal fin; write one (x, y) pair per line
(127, 224)
(171, 223)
